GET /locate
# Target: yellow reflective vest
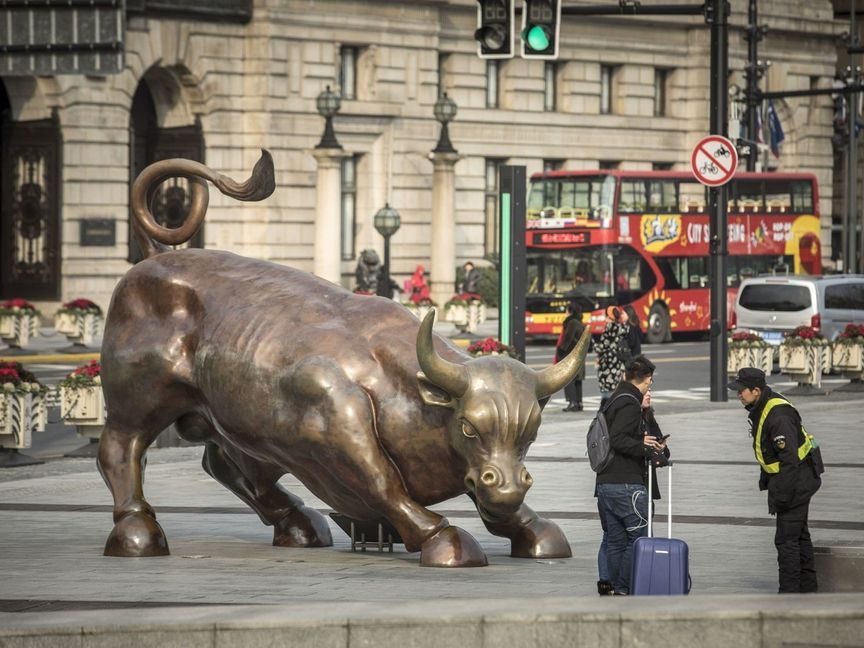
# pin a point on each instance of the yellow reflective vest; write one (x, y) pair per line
(803, 450)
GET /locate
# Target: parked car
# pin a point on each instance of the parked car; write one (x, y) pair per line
(772, 305)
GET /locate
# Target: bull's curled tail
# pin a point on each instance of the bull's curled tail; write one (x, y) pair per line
(152, 237)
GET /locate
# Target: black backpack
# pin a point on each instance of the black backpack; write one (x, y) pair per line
(600, 452)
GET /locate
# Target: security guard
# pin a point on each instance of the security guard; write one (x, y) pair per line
(791, 464)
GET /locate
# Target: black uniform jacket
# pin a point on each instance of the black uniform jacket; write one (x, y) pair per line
(797, 480)
(573, 329)
(624, 418)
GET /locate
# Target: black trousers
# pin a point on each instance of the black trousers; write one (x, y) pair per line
(573, 392)
(795, 551)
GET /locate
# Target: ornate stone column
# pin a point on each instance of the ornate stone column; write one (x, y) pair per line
(442, 271)
(328, 188)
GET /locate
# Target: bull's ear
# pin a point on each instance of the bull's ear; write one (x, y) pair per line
(432, 394)
(543, 402)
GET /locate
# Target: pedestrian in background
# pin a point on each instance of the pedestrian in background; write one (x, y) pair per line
(471, 280)
(610, 350)
(634, 331)
(571, 331)
(622, 496)
(790, 467)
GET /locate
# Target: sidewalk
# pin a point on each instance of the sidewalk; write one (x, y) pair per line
(58, 590)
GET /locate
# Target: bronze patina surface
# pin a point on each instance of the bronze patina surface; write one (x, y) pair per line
(278, 371)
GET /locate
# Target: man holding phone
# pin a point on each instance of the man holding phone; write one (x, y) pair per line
(622, 496)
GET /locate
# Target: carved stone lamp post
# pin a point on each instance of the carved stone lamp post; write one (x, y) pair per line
(328, 104)
(444, 158)
(387, 222)
(328, 154)
(444, 110)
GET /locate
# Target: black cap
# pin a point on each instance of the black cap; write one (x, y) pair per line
(747, 378)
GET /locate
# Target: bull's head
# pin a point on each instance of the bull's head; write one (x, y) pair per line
(496, 403)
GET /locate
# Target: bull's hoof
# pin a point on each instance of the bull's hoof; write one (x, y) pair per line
(136, 535)
(303, 527)
(540, 538)
(452, 547)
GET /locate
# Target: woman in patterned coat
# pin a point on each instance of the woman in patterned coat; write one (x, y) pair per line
(610, 359)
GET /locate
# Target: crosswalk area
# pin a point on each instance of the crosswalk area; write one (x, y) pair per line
(660, 396)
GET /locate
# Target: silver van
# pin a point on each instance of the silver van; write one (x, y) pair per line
(772, 305)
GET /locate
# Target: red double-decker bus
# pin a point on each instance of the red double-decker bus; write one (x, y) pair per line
(640, 238)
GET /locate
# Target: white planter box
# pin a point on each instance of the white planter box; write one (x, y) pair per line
(20, 416)
(83, 405)
(849, 359)
(804, 364)
(16, 330)
(80, 329)
(754, 356)
(458, 314)
(7, 326)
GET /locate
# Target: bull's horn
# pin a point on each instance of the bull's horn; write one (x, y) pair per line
(553, 378)
(447, 375)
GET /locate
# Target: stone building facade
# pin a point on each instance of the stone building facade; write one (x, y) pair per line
(630, 92)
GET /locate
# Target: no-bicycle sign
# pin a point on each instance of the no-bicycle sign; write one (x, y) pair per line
(714, 161)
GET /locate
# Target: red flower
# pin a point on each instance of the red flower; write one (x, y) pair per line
(21, 304)
(9, 375)
(81, 304)
(91, 370)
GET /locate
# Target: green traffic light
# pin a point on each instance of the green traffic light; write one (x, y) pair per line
(537, 38)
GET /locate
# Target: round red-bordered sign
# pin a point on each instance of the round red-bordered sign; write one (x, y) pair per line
(714, 160)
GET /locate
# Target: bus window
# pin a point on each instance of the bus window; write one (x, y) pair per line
(739, 268)
(629, 274)
(802, 197)
(632, 198)
(691, 197)
(778, 197)
(661, 197)
(747, 195)
(684, 272)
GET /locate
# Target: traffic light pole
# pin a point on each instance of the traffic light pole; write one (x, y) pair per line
(718, 223)
(753, 72)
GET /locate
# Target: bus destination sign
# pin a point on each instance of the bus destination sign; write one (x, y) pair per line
(561, 238)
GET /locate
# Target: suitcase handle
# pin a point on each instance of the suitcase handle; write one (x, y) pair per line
(651, 501)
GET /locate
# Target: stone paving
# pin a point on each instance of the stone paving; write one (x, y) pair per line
(55, 517)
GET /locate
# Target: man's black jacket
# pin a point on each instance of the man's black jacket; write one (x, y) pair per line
(797, 480)
(572, 329)
(624, 418)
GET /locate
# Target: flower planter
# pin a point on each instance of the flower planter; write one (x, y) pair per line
(79, 328)
(761, 357)
(849, 360)
(82, 406)
(456, 313)
(20, 416)
(16, 330)
(803, 363)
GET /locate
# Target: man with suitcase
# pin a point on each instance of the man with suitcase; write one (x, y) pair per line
(622, 497)
(791, 465)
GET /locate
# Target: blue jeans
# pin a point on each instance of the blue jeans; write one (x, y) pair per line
(625, 510)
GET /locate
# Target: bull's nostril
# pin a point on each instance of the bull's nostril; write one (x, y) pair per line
(469, 483)
(488, 478)
(527, 479)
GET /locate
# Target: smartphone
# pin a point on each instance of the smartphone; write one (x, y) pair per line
(664, 437)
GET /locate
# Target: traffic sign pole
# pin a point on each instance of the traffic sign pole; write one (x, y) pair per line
(718, 224)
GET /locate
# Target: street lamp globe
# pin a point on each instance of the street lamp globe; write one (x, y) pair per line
(444, 111)
(328, 104)
(387, 221)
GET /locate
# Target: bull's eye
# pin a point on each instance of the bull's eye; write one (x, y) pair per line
(468, 430)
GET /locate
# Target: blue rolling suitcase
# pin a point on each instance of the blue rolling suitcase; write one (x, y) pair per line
(660, 565)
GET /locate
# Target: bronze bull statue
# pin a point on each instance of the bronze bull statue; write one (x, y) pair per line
(278, 371)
